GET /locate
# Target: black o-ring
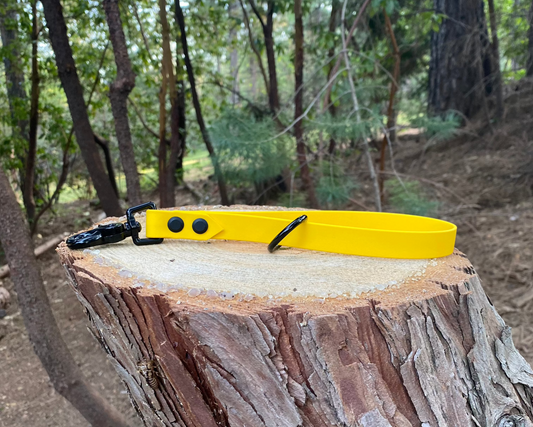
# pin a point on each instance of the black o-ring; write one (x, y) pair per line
(274, 244)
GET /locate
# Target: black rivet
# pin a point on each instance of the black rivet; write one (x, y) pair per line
(175, 224)
(200, 226)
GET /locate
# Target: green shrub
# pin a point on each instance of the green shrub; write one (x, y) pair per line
(335, 187)
(246, 149)
(410, 198)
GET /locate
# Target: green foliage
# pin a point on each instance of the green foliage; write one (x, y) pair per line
(438, 129)
(246, 149)
(335, 186)
(409, 197)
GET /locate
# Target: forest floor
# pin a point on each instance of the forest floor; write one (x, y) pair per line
(483, 183)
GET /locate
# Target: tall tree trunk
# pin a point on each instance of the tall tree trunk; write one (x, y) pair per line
(268, 29)
(82, 127)
(196, 102)
(457, 55)
(118, 95)
(18, 100)
(331, 54)
(391, 116)
(529, 65)
(181, 117)
(167, 167)
(498, 84)
(29, 172)
(298, 104)
(43, 331)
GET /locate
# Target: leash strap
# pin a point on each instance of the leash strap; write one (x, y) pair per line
(374, 234)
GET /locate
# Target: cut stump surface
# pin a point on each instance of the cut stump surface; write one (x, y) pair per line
(225, 334)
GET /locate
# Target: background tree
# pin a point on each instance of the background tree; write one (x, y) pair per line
(118, 95)
(39, 320)
(460, 59)
(71, 85)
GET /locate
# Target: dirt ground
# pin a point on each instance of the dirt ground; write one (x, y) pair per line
(484, 184)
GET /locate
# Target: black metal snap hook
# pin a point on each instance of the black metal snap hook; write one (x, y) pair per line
(274, 244)
(135, 229)
(114, 232)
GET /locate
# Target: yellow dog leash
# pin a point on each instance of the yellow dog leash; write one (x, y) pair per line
(374, 234)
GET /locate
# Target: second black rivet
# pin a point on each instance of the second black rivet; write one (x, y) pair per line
(200, 226)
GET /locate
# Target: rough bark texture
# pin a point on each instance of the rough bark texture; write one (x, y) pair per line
(432, 351)
(459, 50)
(118, 95)
(42, 329)
(307, 180)
(71, 85)
(180, 19)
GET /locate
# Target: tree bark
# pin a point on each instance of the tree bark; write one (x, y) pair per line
(234, 336)
(104, 145)
(167, 167)
(454, 81)
(29, 172)
(196, 102)
(118, 95)
(391, 115)
(181, 117)
(305, 173)
(498, 83)
(332, 26)
(17, 98)
(268, 30)
(529, 65)
(71, 85)
(43, 331)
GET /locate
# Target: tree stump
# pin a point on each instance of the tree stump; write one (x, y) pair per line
(226, 334)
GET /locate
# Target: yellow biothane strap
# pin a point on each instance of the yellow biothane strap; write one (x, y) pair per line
(374, 234)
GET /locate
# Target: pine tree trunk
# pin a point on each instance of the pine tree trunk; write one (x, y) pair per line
(225, 334)
(454, 81)
(118, 95)
(70, 81)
